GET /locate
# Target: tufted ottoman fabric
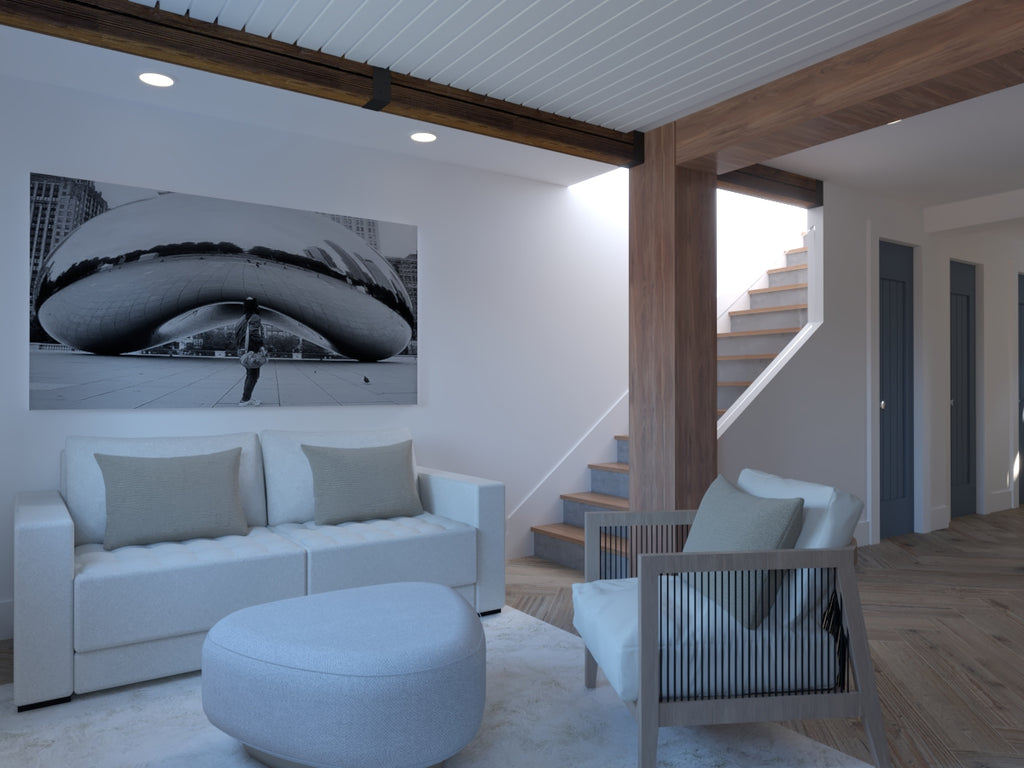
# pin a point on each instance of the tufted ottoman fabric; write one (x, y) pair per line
(386, 675)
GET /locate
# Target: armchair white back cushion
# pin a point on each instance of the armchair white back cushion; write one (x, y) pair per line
(290, 496)
(830, 515)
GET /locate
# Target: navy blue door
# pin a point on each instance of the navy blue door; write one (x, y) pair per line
(962, 434)
(1020, 381)
(896, 388)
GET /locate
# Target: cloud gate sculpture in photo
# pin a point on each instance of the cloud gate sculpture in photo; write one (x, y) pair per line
(170, 266)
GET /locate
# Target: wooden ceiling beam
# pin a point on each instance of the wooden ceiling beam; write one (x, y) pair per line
(968, 51)
(143, 31)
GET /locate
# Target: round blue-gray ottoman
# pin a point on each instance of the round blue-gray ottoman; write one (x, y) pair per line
(391, 675)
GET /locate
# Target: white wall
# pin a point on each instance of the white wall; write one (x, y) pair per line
(818, 419)
(522, 294)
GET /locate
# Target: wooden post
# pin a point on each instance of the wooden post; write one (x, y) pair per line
(673, 446)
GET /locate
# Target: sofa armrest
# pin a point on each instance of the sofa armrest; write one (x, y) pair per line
(480, 503)
(44, 569)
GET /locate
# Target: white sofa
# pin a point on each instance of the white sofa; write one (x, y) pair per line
(89, 616)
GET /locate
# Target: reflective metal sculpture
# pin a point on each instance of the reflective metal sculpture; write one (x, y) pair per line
(170, 266)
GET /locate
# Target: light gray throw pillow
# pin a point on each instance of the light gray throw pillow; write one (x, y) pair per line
(353, 484)
(729, 520)
(175, 498)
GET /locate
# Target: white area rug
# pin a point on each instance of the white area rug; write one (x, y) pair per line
(538, 715)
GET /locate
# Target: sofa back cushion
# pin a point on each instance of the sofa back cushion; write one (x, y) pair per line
(84, 490)
(289, 478)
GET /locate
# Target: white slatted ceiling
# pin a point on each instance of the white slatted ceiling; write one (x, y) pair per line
(624, 64)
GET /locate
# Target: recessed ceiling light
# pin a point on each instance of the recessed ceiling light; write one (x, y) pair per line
(156, 79)
(423, 137)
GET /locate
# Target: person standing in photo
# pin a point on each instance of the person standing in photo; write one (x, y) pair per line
(252, 352)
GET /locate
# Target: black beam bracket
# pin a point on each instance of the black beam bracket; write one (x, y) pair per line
(381, 90)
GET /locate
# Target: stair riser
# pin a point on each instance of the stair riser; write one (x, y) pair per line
(778, 298)
(558, 551)
(796, 257)
(622, 450)
(740, 370)
(777, 279)
(575, 512)
(790, 318)
(766, 344)
(611, 483)
(728, 395)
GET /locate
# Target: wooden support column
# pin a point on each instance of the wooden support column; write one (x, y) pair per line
(673, 445)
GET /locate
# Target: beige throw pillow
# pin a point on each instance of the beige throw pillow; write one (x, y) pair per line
(729, 520)
(176, 498)
(354, 484)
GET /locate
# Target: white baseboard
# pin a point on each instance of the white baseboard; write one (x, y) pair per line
(997, 501)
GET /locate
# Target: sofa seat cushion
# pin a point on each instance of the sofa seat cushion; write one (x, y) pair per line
(426, 547)
(138, 593)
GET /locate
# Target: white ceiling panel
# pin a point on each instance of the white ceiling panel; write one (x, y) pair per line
(297, 19)
(471, 42)
(266, 16)
(622, 64)
(205, 11)
(233, 14)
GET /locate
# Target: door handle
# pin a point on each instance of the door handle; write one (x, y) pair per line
(882, 406)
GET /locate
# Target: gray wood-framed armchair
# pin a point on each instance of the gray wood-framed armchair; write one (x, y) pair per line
(675, 635)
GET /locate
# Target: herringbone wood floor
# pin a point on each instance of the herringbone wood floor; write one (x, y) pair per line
(945, 618)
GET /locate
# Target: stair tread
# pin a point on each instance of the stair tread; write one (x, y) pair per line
(787, 308)
(611, 466)
(757, 332)
(794, 268)
(575, 535)
(764, 356)
(562, 531)
(801, 249)
(598, 500)
(735, 383)
(777, 288)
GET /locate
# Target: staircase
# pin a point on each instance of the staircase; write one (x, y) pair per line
(756, 336)
(609, 489)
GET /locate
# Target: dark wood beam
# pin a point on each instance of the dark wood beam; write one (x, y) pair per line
(673, 440)
(137, 29)
(971, 50)
(773, 184)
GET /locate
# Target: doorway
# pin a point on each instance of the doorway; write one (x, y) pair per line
(896, 388)
(963, 484)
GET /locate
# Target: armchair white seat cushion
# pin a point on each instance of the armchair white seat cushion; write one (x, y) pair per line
(830, 515)
(748, 661)
(604, 614)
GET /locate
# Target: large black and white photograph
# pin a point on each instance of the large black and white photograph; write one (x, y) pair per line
(142, 298)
